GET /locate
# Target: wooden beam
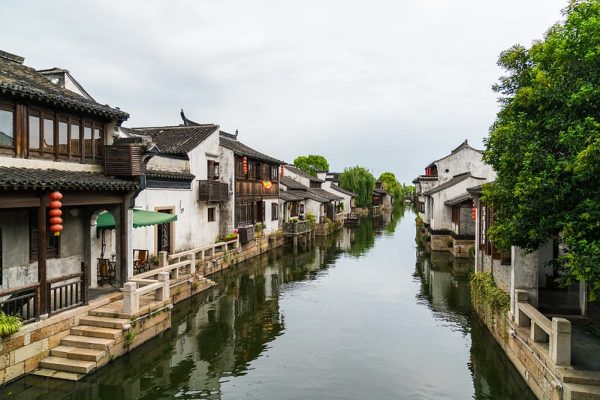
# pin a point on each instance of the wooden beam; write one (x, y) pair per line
(43, 239)
(90, 198)
(19, 200)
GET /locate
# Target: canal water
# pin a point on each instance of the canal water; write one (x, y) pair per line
(362, 315)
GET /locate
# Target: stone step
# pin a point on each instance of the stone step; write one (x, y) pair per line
(108, 312)
(77, 353)
(96, 331)
(580, 377)
(67, 364)
(51, 373)
(87, 342)
(104, 322)
(582, 392)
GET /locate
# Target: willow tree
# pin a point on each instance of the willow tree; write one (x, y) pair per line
(360, 181)
(391, 185)
(545, 144)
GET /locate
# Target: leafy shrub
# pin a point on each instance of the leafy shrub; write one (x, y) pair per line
(9, 324)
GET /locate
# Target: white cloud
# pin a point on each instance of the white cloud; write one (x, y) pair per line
(386, 84)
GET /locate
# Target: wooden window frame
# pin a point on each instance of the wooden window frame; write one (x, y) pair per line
(36, 113)
(53, 243)
(211, 213)
(274, 211)
(11, 108)
(211, 167)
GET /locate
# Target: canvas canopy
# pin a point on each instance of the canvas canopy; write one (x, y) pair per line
(140, 218)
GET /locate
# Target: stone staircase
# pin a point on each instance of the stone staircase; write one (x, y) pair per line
(581, 385)
(87, 347)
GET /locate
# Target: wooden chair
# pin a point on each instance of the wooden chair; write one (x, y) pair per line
(107, 272)
(141, 262)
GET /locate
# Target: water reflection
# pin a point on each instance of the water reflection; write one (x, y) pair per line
(319, 324)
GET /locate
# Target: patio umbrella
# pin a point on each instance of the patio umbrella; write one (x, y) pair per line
(140, 218)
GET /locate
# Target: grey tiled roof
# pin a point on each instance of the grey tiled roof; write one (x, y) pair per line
(21, 80)
(303, 174)
(457, 179)
(342, 190)
(324, 193)
(458, 199)
(291, 184)
(287, 195)
(170, 175)
(307, 194)
(176, 140)
(228, 141)
(29, 178)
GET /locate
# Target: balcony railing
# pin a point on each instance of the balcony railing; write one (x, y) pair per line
(296, 228)
(252, 188)
(213, 191)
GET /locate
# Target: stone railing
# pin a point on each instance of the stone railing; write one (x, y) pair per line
(137, 287)
(296, 228)
(201, 253)
(555, 332)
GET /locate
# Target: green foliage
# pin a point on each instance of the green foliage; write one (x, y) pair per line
(545, 144)
(360, 181)
(311, 163)
(9, 324)
(129, 337)
(485, 291)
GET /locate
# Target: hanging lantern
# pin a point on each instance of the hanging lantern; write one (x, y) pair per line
(267, 184)
(282, 171)
(474, 213)
(55, 213)
(245, 165)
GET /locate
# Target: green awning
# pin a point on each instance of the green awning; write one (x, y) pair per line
(140, 218)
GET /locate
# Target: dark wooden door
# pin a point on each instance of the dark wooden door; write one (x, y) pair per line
(164, 235)
(260, 211)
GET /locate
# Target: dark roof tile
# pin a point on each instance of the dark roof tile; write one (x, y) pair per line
(26, 178)
(176, 140)
(25, 81)
(228, 141)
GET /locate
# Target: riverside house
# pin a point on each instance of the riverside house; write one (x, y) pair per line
(445, 203)
(254, 179)
(330, 203)
(331, 184)
(53, 138)
(183, 179)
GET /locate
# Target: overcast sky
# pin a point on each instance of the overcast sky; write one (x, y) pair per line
(386, 84)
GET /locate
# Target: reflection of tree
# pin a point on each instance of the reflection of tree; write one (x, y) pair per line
(397, 214)
(364, 239)
(445, 290)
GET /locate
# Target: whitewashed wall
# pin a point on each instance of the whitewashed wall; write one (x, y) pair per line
(192, 228)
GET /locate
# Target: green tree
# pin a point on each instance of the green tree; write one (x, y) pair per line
(360, 181)
(545, 144)
(391, 185)
(311, 164)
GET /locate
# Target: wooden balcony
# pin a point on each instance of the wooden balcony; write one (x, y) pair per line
(254, 188)
(123, 160)
(213, 191)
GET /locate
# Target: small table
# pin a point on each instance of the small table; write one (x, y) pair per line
(107, 271)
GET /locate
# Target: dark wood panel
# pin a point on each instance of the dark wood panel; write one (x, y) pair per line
(19, 201)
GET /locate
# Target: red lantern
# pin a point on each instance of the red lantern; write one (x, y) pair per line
(56, 229)
(56, 220)
(474, 213)
(55, 213)
(245, 165)
(282, 171)
(55, 196)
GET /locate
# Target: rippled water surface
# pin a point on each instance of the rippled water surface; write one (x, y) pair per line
(363, 315)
